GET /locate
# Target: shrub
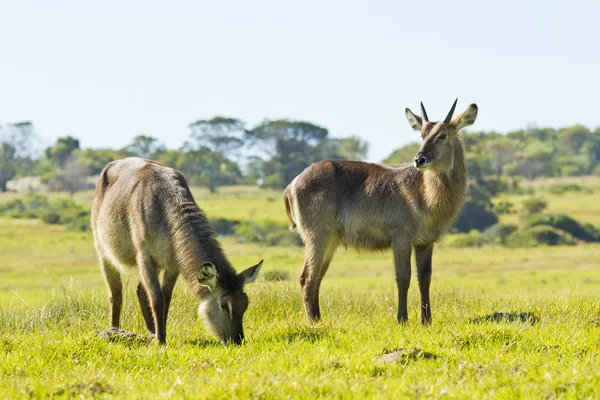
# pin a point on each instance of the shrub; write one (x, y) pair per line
(504, 207)
(585, 232)
(61, 211)
(472, 239)
(274, 276)
(540, 235)
(560, 189)
(223, 226)
(498, 233)
(267, 233)
(475, 215)
(533, 205)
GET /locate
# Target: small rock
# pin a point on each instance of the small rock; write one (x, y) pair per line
(115, 334)
(404, 356)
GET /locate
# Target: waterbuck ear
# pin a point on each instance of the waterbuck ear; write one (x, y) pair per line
(251, 273)
(466, 118)
(207, 275)
(415, 121)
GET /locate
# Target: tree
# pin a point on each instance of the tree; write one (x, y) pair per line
(61, 152)
(96, 159)
(571, 140)
(349, 148)
(405, 154)
(287, 147)
(194, 164)
(16, 150)
(222, 137)
(73, 177)
(145, 147)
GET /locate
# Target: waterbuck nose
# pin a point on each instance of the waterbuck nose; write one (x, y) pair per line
(420, 161)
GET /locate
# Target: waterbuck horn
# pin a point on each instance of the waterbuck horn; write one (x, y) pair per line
(424, 112)
(449, 116)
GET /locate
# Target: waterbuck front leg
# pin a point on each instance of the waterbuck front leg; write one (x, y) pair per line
(319, 252)
(168, 285)
(146, 309)
(402, 252)
(149, 279)
(115, 288)
(423, 256)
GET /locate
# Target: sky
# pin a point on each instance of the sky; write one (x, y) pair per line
(107, 71)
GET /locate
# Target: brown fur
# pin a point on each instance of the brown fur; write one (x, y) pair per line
(377, 207)
(144, 216)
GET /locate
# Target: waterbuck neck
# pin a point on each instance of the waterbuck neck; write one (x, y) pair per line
(196, 244)
(444, 191)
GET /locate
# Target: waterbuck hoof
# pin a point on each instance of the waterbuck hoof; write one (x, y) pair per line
(313, 318)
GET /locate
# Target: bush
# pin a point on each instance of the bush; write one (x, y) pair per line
(560, 189)
(472, 239)
(504, 207)
(475, 215)
(267, 233)
(61, 211)
(223, 226)
(275, 276)
(585, 232)
(540, 235)
(533, 206)
(498, 233)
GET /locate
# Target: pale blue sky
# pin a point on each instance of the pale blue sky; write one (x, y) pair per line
(106, 71)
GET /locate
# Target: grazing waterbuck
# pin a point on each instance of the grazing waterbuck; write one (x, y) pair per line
(377, 207)
(144, 216)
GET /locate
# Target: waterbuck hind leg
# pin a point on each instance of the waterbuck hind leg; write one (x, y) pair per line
(318, 258)
(149, 279)
(402, 252)
(168, 285)
(146, 309)
(115, 289)
(423, 256)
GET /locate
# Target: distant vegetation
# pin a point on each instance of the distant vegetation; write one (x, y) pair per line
(224, 151)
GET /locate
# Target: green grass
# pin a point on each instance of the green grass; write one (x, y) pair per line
(49, 345)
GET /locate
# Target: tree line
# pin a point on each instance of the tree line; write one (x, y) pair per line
(224, 151)
(218, 151)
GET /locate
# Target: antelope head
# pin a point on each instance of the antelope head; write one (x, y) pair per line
(223, 310)
(437, 150)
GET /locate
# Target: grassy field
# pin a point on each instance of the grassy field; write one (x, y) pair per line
(53, 303)
(252, 203)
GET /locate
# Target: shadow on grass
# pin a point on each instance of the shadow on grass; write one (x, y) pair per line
(202, 342)
(507, 317)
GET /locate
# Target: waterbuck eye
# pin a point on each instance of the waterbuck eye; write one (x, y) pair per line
(442, 136)
(224, 305)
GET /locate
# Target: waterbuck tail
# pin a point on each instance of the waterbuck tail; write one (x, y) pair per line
(289, 207)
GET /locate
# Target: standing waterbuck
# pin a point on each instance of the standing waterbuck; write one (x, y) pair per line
(145, 216)
(377, 207)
